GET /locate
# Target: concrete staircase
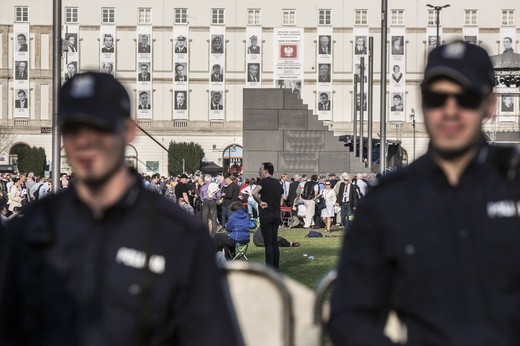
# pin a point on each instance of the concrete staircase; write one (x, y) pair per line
(279, 128)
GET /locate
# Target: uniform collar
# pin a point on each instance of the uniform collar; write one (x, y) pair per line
(427, 165)
(127, 201)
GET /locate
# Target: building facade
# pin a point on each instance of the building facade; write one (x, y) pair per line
(187, 63)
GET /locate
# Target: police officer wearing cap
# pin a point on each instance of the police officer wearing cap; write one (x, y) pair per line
(108, 262)
(254, 48)
(180, 46)
(438, 242)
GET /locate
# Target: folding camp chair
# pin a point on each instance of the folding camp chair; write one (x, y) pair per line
(285, 215)
(240, 251)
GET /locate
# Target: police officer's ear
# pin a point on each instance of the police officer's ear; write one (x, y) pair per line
(130, 130)
(491, 107)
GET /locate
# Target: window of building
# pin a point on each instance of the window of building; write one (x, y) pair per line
(288, 17)
(217, 16)
(324, 17)
(144, 16)
(470, 17)
(253, 17)
(181, 16)
(71, 14)
(22, 13)
(397, 17)
(361, 17)
(508, 17)
(109, 15)
(431, 17)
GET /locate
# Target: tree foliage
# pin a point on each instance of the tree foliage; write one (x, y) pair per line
(32, 159)
(192, 153)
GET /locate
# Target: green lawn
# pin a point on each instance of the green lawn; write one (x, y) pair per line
(297, 262)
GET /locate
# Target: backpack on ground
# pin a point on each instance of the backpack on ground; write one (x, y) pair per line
(314, 234)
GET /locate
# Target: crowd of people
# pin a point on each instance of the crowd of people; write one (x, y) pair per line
(210, 197)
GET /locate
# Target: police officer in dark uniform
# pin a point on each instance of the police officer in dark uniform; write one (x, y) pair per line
(439, 241)
(108, 262)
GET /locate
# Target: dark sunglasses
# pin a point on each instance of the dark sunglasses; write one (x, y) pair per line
(467, 99)
(327, 184)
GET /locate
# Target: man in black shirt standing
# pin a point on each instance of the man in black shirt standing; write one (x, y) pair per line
(229, 195)
(269, 195)
(181, 189)
(106, 261)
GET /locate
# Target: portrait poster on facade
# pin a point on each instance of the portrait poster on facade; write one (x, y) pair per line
(507, 106)
(470, 34)
(324, 80)
(21, 64)
(180, 72)
(360, 41)
(107, 51)
(397, 71)
(288, 49)
(144, 73)
(217, 73)
(70, 64)
(431, 38)
(253, 57)
(507, 39)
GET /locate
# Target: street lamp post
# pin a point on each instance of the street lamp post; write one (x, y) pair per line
(412, 118)
(437, 9)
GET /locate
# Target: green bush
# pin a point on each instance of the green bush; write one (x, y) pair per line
(32, 159)
(192, 153)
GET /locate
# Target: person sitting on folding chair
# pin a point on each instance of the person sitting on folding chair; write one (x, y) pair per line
(237, 227)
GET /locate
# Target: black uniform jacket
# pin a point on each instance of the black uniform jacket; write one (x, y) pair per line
(143, 274)
(445, 258)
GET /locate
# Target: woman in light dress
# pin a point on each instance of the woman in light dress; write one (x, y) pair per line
(330, 199)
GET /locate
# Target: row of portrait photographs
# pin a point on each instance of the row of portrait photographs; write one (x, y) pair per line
(358, 101)
(181, 100)
(324, 101)
(71, 43)
(21, 70)
(181, 45)
(253, 72)
(397, 45)
(253, 47)
(107, 67)
(397, 75)
(324, 73)
(324, 45)
(360, 47)
(143, 74)
(217, 73)
(432, 42)
(144, 100)
(108, 44)
(471, 39)
(21, 99)
(217, 44)
(21, 44)
(357, 73)
(397, 102)
(294, 85)
(143, 45)
(180, 72)
(71, 70)
(508, 103)
(215, 102)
